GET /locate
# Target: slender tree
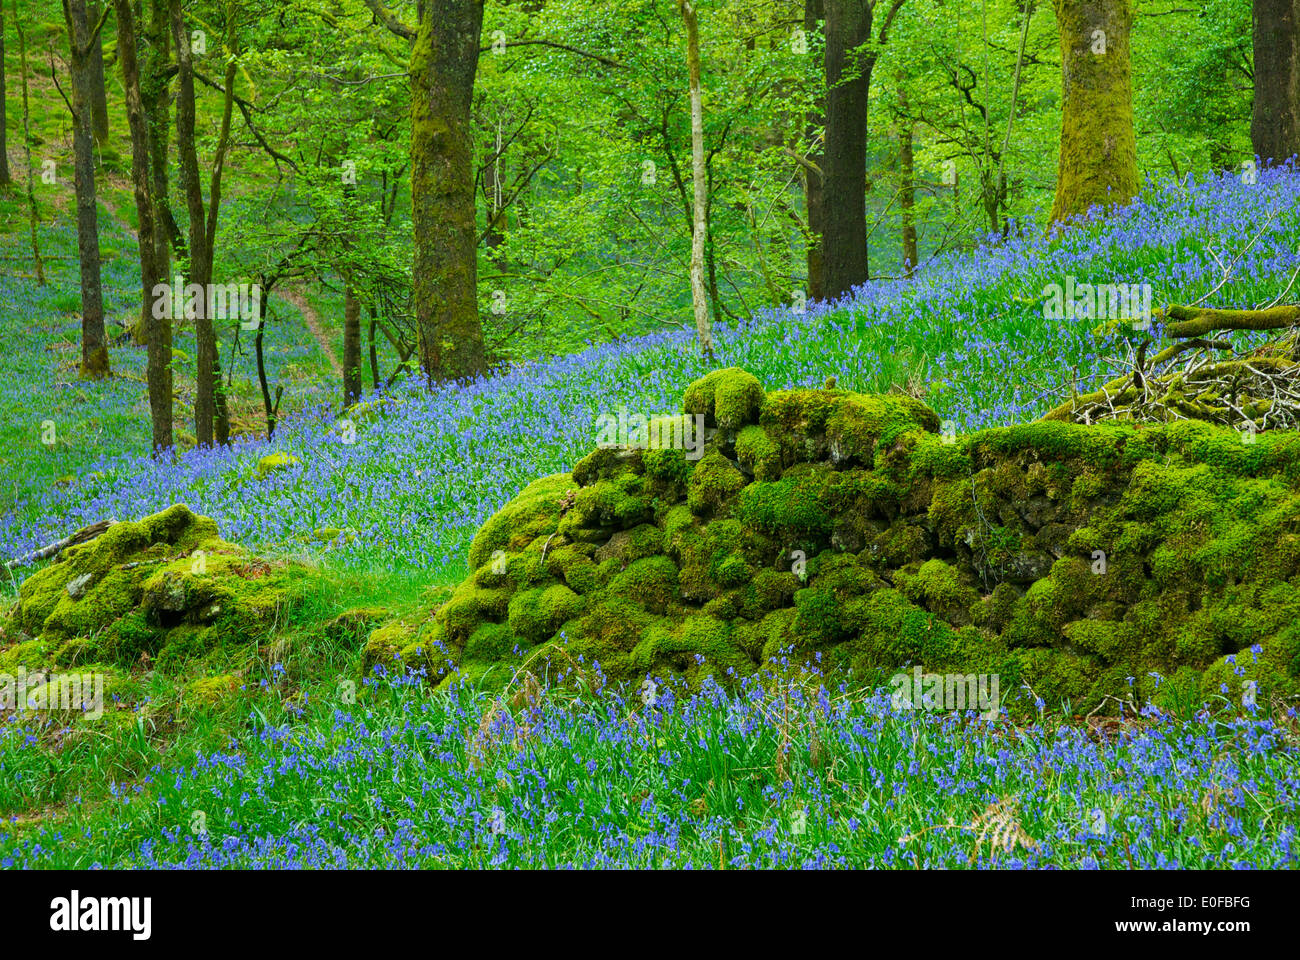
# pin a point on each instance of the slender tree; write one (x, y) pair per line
(351, 346)
(156, 73)
(844, 239)
(1275, 118)
(907, 182)
(82, 35)
(1098, 160)
(444, 61)
(98, 91)
(156, 324)
(700, 227)
(32, 216)
(813, 14)
(211, 417)
(5, 178)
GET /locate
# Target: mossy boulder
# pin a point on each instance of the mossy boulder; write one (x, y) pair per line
(729, 398)
(275, 462)
(165, 587)
(1082, 561)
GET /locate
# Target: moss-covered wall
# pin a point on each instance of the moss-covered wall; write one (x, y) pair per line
(844, 527)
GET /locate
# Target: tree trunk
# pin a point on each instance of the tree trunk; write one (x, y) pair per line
(211, 416)
(158, 329)
(94, 342)
(207, 380)
(351, 347)
(374, 350)
(813, 14)
(848, 80)
(38, 263)
(700, 226)
(907, 184)
(1098, 161)
(494, 233)
(155, 92)
(1275, 119)
(5, 178)
(98, 92)
(444, 60)
(220, 407)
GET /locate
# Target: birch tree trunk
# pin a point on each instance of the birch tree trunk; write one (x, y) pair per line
(700, 226)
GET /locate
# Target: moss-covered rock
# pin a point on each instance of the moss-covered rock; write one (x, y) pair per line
(275, 462)
(1075, 560)
(727, 398)
(165, 587)
(536, 511)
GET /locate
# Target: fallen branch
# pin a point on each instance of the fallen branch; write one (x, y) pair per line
(1192, 379)
(84, 535)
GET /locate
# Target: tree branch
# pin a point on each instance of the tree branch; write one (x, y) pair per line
(245, 108)
(599, 58)
(388, 20)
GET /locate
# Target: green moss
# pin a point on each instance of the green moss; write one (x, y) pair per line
(713, 483)
(789, 508)
(606, 463)
(354, 624)
(383, 648)
(616, 504)
(534, 512)
(1069, 557)
(939, 587)
(628, 546)
(651, 582)
(769, 590)
(758, 453)
(211, 692)
(669, 465)
(733, 571)
(680, 645)
(275, 462)
(1108, 640)
(165, 586)
(493, 642)
(729, 398)
(28, 654)
(468, 607)
(82, 569)
(535, 615)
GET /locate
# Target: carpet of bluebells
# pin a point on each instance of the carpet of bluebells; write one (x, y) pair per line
(417, 481)
(779, 773)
